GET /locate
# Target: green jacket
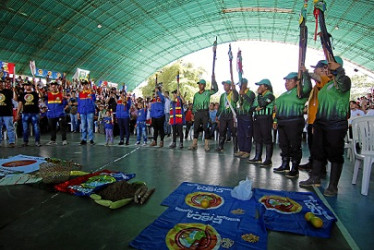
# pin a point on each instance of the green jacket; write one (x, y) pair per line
(266, 103)
(289, 106)
(333, 100)
(224, 107)
(202, 100)
(246, 103)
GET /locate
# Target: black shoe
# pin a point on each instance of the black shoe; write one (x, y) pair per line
(266, 163)
(181, 145)
(121, 143)
(306, 167)
(285, 167)
(127, 143)
(83, 142)
(173, 145)
(92, 142)
(294, 173)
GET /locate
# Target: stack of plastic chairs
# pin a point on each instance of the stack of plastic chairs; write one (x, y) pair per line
(363, 141)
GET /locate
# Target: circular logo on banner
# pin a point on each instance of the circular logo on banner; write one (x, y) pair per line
(280, 204)
(197, 200)
(193, 236)
(20, 163)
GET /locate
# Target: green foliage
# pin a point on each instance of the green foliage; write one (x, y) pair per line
(361, 85)
(188, 76)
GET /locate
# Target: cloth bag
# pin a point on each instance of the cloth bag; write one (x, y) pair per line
(243, 191)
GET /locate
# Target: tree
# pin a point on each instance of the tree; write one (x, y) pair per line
(188, 77)
(361, 86)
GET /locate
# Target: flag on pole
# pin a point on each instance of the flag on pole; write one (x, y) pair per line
(32, 68)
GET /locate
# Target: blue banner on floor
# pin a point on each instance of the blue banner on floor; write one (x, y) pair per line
(21, 164)
(189, 228)
(284, 211)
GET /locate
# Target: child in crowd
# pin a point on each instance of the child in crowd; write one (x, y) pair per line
(108, 125)
(141, 127)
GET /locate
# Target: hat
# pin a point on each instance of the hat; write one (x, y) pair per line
(226, 82)
(26, 83)
(201, 81)
(174, 92)
(54, 83)
(291, 75)
(244, 80)
(264, 82)
(320, 64)
(83, 82)
(339, 60)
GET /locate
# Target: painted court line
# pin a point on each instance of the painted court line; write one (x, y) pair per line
(342, 228)
(118, 159)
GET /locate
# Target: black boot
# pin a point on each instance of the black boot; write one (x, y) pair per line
(269, 154)
(294, 173)
(257, 158)
(315, 177)
(220, 144)
(336, 171)
(285, 167)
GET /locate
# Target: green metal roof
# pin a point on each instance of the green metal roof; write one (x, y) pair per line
(138, 37)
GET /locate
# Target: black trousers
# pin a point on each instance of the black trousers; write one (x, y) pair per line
(201, 118)
(328, 143)
(290, 137)
(52, 122)
(226, 122)
(188, 127)
(262, 127)
(178, 129)
(158, 127)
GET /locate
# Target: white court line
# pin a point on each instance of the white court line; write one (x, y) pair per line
(351, 242)
(118, 159)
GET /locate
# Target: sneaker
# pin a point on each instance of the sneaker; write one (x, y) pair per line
(137, 143)
(51, 143)
(245, 155)
(173, 145)
(64, 142)
(12, 145)
(121, 143)
(145, 143)
(238, 154)
(92, 142)
(181, 145)
(37, 144)
(83, 142)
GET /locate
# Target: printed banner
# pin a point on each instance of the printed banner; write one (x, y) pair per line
(8, 68)
(81, 74)
(32, 68)
(189, 228)
(43, 73)
(21, 164)
(219, 199)
(285, 211)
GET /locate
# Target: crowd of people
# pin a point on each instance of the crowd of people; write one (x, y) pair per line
(240, 114)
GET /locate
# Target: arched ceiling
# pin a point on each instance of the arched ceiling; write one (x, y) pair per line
(138, 37)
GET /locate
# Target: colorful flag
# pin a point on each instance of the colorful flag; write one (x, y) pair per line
(32, 68)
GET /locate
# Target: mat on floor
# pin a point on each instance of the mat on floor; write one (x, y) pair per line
(21, 164)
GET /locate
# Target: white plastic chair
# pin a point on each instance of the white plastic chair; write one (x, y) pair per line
(363, 136)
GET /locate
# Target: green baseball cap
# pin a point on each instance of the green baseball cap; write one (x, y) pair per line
(264, 82)
(201, 81)
(320, 64)
(244, 81)
(226, 82)
(290, 76)
(339, 60)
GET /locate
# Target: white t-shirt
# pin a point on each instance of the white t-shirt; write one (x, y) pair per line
(356, 113)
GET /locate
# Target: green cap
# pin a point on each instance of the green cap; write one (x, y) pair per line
(264, 82)
(320, 64)
(291, 76)
(201, 81)
(339, 60)
(226, 82)
(244, 81)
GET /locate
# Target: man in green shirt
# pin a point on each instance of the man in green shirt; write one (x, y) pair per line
(200, 109)
(227, 114)
(245, 121)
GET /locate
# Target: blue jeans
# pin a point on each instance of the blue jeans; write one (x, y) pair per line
(8, 122)
(141, 129)
(34, 119)
(74, 122)
(87, 121)
(124, 129)
(167, 127)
